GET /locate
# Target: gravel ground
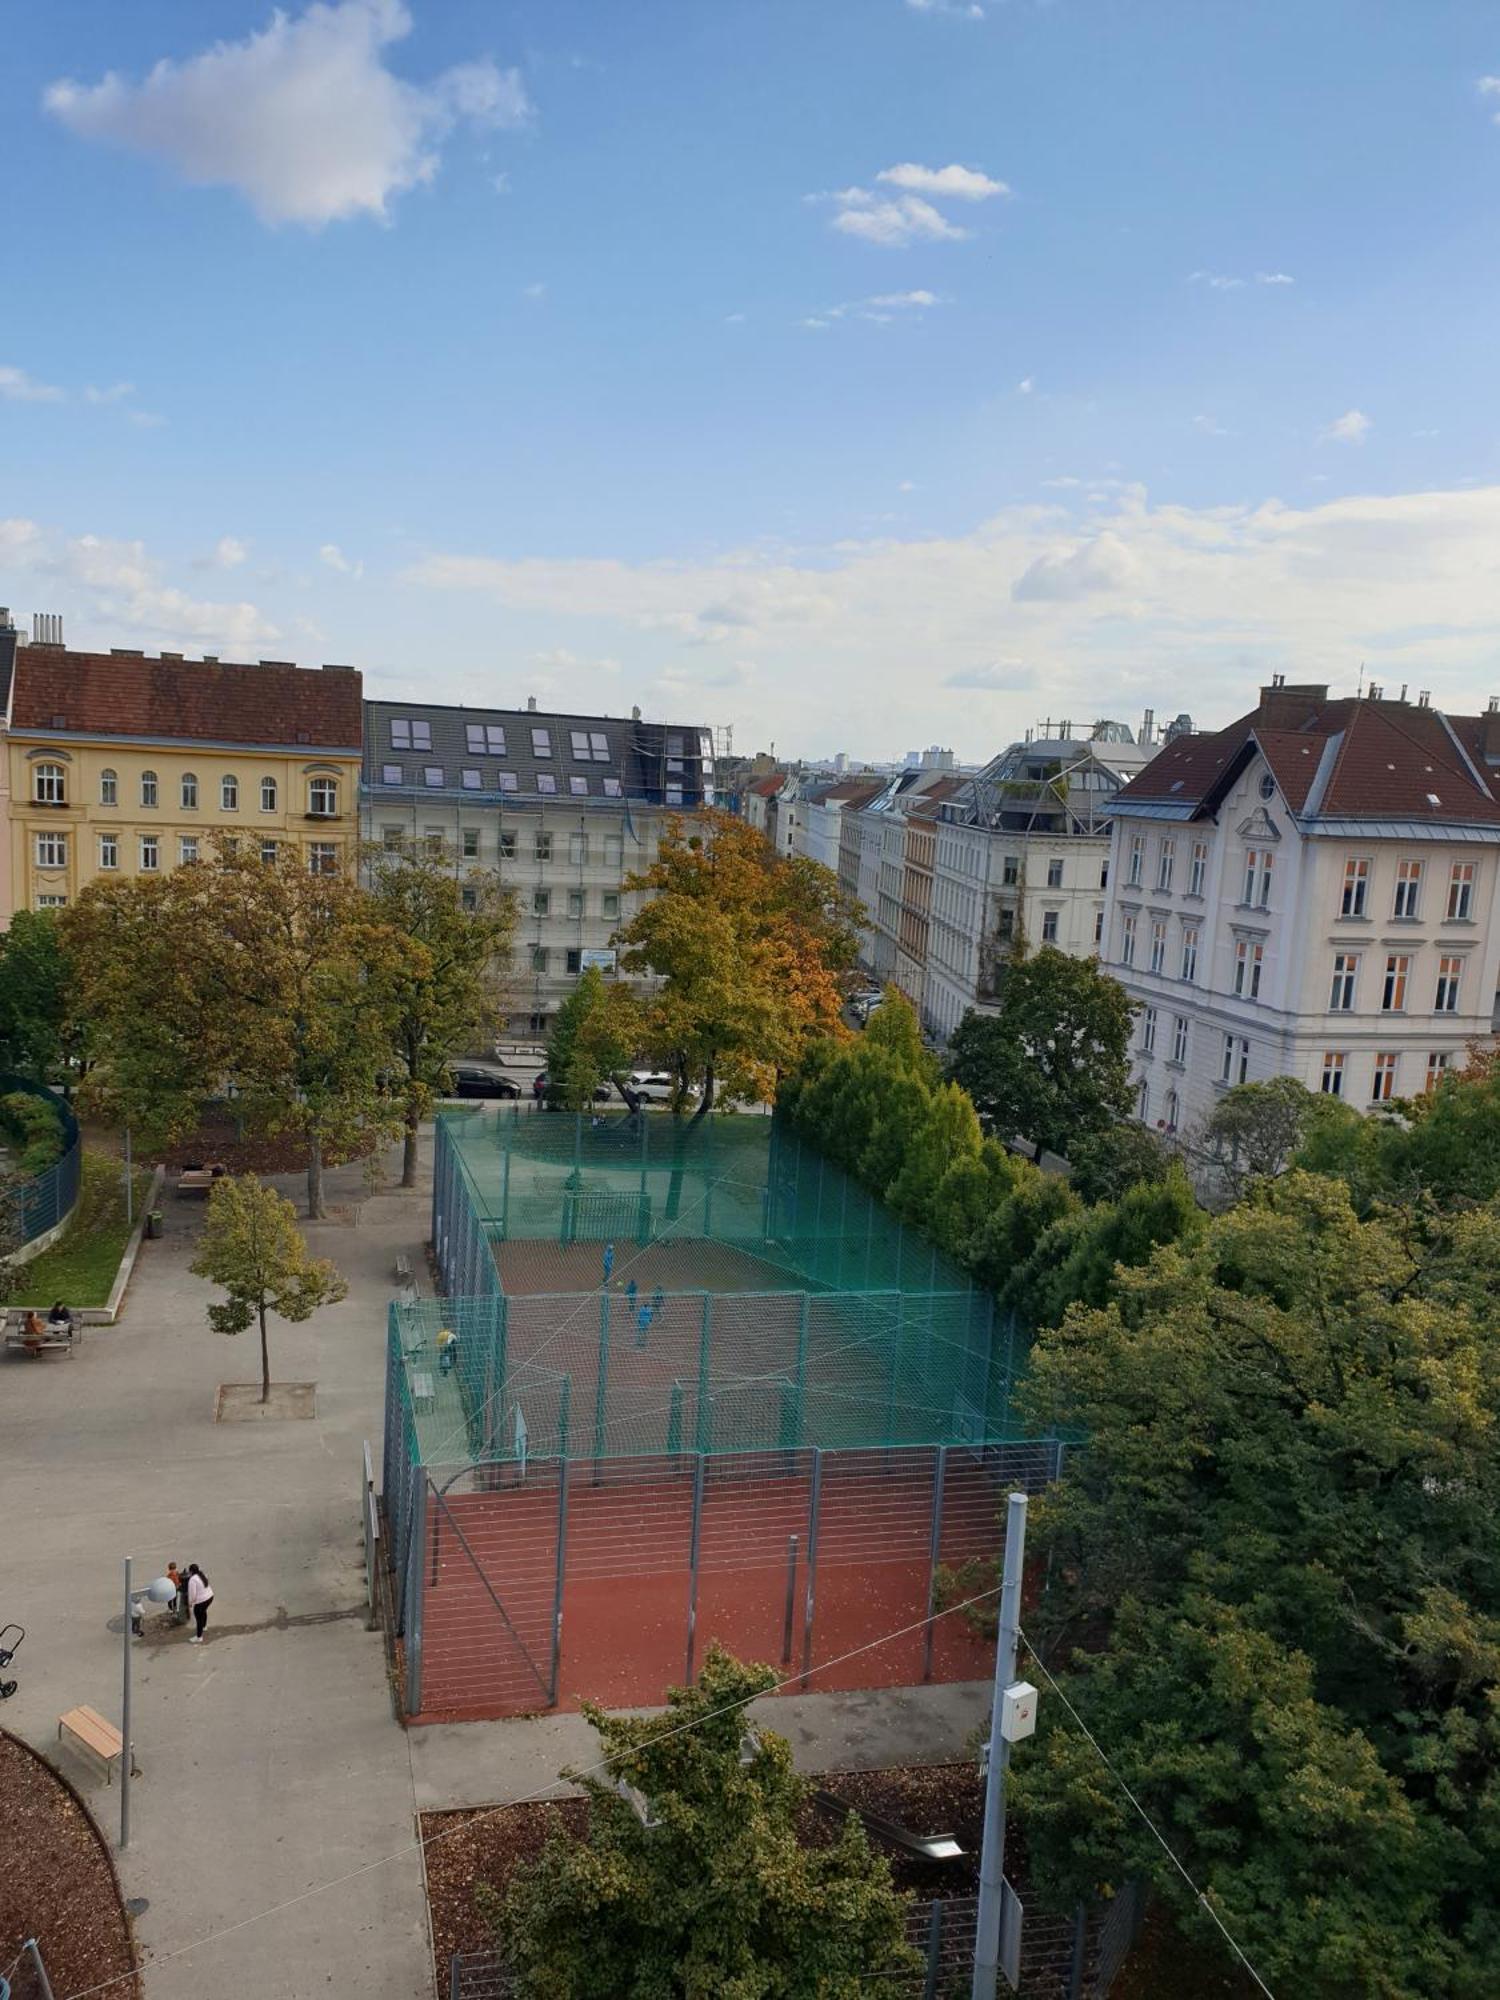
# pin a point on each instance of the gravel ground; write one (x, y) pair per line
(57, 1883)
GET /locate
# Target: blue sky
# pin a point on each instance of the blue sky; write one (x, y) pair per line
(862, 373)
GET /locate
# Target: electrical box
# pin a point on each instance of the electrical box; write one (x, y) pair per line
(1018, 1711)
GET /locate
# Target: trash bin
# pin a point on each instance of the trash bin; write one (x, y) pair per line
(153, 1222)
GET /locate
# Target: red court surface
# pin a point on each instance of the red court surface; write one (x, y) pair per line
(489, 1591)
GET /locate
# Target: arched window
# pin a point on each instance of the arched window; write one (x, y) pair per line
(109, 789)
(323, 797)
(189, 788)
(229, 794)
(50, 785)
(148, 788)
(268, 795)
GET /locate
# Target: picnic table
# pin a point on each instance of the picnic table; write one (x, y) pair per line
(200, 1180)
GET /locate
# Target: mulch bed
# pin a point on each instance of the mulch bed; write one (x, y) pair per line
(57, 1881)
(486, 1845)
(281, 1153)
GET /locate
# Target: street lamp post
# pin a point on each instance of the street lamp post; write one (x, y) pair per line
(161, 1591)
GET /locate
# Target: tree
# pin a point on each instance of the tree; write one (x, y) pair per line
(1255, 1130)
(751, 949)
(1053, 1063)
(1106, 1163)
(595, 1034)
(693, 1880)
(252, 1247)
(1273, 1597)
(35, 981)
(445, 994)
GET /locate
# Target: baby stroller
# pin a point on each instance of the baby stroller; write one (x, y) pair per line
(9, 1647)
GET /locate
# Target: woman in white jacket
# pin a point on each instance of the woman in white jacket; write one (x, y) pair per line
(200, 1596)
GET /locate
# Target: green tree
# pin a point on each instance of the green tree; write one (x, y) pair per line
(694, 1884)
(1255, 1130)
(944, 1139)
(35, 982)
(444, 989)
(1075, 1261)
(252, 1247)
(1054, 1062)
(1273, 1596)
(595, 1034)
(1105, 1163)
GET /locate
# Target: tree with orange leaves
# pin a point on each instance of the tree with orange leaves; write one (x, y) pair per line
(752, 949)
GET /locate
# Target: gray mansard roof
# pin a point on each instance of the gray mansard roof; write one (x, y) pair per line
(507, 755)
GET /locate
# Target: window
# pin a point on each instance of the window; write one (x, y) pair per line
(1174, 1106)
(52, 850)
(546, 782)
(471, 843)
(400, 733)
(575, 902)
(1345, 973)
(541, 902)
(674, 794)
(268, 795)
(1248, 958)
(539, 958)
(509, 782)
(229, 795)
(1333, 1074)
(1461, 892)
(1148, 1030)
(109, 850)
(392, 774)
(268, 851)
(1127, 939)
(1158, 944)
(393, 839)
(579, 787)
(434, 841)
(1137, 860)
(1393, 993)
(507, 845)
(1166, 861)
(580, 741)
(1450, 971)
(1006, 926)
(52, 902)
(613, 789)
(1408, 890)
(188, 789)
(590, 744)
(1099, 925)
(1010, 871)
(537, 1024)
(1383, 1088)
(1258, 877)
(150, 853)
(485, 738)
(1143, 1101)
(323, 858)
(432, 777)
(614, 850)
(109, 789)
(609, 904)
(1356, 888)
(187, 849)
(1054, 872)
(1190, 953)
(148, 788)
(409, 733)
(1437, 1069)
(1179, 1038)
(578, 848)
(49, 785)
(1236, 1064)
(323, 797)
(231, 845)
(1049, 927)
(541, 743)
(1198, 868)
(473, 781)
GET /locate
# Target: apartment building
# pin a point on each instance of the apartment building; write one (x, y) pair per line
(818, 812)
(122, 764)
(1312, 892)
(1021, 860)
(562, 807)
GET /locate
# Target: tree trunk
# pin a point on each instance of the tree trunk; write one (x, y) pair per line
(410, 1142)
(706, 1102)
(265, 1358)
(315, 1209)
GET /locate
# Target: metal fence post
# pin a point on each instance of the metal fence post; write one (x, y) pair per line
(934, 1952)
(505, 1194)
(31, 1949)
(694, 1551)
(791, 1600)
(802, 1328)
(1079, 1952)
(703, 1430)
(416, 1593)
(814, 1507)
(939, 1475)
(559, 1575)
(601, 1384)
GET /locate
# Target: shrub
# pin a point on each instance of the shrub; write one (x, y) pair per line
(34, 1129)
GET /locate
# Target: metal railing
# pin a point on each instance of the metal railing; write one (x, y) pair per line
(39, 1204)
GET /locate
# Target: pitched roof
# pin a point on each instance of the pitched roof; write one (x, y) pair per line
(1350, 759)
(61, 692)
(767, 788)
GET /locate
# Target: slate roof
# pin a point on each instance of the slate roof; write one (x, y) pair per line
(1349, 759)
(59, 692)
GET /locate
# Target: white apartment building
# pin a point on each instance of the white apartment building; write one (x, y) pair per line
(820, 806)
(1312, 892)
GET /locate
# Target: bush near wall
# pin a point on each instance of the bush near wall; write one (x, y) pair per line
(33, 1128)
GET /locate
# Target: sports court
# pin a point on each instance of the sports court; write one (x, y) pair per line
(768, 1422)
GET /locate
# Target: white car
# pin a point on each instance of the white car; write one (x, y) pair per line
(656, 1086)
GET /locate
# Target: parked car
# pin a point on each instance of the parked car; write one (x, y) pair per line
(541, 1091)
(471, 1082)
(656, 1086)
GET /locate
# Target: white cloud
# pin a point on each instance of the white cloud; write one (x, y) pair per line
(1210, 426)
(907, 486)
(500, 183)
(115, 393)
(146, 420)
(228, 552)
(1274, 278)
(954, 182)
(1216, 281)
(536, 291)
(1026, 386)
(892, 224)
(1064, 575)
(16, 386)
(333, 556)
(1002, 677)
(302, 118)
(114, 587)
(882, 308)
(1351, 428)
(967, 10)
(18, 538)
(1489, 86)
(734, 319)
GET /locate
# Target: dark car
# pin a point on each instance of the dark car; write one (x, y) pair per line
(542, 1091)
(468, 1082)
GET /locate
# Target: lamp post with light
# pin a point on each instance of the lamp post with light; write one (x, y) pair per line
(160, 1591)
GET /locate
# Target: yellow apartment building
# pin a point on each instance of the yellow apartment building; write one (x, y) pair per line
(119, 764)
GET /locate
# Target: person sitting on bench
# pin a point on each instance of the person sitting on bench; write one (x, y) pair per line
(33, 1332)
(60, 1321)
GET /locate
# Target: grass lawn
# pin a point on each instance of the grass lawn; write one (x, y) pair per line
(81, 1267)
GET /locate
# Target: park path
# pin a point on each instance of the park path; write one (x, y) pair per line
(272, 1765)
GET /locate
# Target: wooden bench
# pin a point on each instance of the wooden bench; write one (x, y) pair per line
(423, 1389)
(50, 1343)
(403, 1269)
(89, 1730)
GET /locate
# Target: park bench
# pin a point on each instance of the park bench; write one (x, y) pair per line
(90, 1732)
(423, 1389)
(199, 1180)
(403, 1269)
(50, 1343)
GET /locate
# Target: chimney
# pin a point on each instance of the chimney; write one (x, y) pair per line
(1148, 726)
(635, 713)
(1424, 697)
(1402, 695)
(210, 659)
(531, 704)
(1289, 707)
(1377, 692)
(46, 628)
(336, 667)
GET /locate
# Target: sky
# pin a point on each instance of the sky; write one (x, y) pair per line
(862, 374)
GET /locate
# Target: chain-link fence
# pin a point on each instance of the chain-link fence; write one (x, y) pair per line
(34, 1206)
